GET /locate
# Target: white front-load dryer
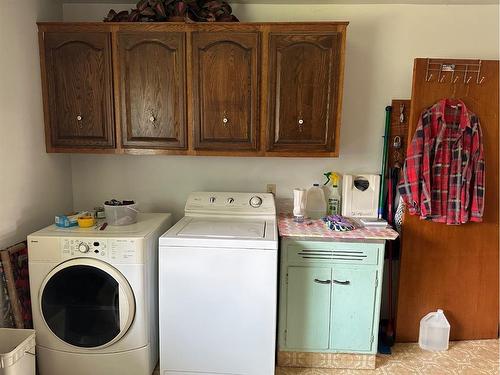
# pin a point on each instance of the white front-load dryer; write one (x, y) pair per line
(94, 297)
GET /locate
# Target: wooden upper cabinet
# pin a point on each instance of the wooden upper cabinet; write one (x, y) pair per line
(225, 76)
(261, 89)
(152, 84)
(304, 82)
(78, 89)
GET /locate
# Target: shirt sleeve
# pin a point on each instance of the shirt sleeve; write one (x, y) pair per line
(410, 183)
(478, 176)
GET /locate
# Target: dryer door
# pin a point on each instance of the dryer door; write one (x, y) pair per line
(87, 303)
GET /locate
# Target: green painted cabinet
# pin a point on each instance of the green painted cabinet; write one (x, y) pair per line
(330, 296)
(353, 296)
(308, 307)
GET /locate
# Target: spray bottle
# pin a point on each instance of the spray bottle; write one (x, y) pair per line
(332, 193)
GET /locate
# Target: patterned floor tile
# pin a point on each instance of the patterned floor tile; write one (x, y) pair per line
(479, 357)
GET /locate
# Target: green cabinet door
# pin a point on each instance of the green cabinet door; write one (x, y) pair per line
(353, 307)
(308, 308)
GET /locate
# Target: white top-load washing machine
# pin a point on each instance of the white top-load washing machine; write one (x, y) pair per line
(94, 297)
(218, 286)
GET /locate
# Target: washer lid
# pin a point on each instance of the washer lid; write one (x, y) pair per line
(224, 228)
(222, 232)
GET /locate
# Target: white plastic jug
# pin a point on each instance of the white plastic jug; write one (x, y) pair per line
(434, 332)
(315, 202)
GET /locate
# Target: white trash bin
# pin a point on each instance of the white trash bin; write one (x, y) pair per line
(17, 351)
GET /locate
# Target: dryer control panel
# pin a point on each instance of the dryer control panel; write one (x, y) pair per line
(111, 250)
(86, 247)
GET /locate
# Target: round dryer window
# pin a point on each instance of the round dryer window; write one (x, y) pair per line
(87, 303)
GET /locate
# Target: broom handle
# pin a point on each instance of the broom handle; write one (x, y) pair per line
(381, 200)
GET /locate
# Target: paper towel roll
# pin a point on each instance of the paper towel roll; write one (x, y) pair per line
(299, 202)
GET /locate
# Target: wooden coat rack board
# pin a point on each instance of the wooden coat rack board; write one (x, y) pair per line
(454, 268)
(398, 135)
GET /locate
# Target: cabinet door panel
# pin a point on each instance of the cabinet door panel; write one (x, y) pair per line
(304, 74)
(353, 308)
(152, 89)
(308, 308)
(79, 87)
(225, 90)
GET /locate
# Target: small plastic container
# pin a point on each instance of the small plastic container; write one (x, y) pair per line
(315, 202)
(121, 215)
(86, 221)
(17, 351)
(434, 332)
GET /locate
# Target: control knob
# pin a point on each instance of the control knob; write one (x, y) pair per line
(83, 247)
(255, 201)
(230, 200)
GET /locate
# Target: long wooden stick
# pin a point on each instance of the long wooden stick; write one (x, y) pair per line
(381, 200)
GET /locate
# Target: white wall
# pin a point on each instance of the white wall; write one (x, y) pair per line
(34, 185)
(382, 41)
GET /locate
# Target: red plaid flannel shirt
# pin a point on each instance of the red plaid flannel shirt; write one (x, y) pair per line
(443, 174)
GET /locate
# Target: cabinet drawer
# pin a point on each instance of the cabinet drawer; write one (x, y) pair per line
(339, 252)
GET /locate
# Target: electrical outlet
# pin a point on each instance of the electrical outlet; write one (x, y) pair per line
(271, 188)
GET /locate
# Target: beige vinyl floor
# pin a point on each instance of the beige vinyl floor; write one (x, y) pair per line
(463, 358)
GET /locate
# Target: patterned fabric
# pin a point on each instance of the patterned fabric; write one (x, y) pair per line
(398, 217)
(6, 314)
(316, 228)
(443, 175)
(19, 261)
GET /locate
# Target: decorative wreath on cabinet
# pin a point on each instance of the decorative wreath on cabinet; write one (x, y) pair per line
(175, 11)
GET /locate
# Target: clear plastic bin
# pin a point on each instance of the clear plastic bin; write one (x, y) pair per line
(434, 332)
(121, 215)
(17, 351)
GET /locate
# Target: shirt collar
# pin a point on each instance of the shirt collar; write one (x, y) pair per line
(464, 112)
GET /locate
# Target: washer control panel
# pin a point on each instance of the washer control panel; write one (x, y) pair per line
(112, 250)
(231, 203)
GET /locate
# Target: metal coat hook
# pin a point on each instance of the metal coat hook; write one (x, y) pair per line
(427, 78)
(454, 92)
(449, 71)
(396, 143)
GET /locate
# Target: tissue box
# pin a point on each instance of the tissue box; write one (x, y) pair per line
(68, 220)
